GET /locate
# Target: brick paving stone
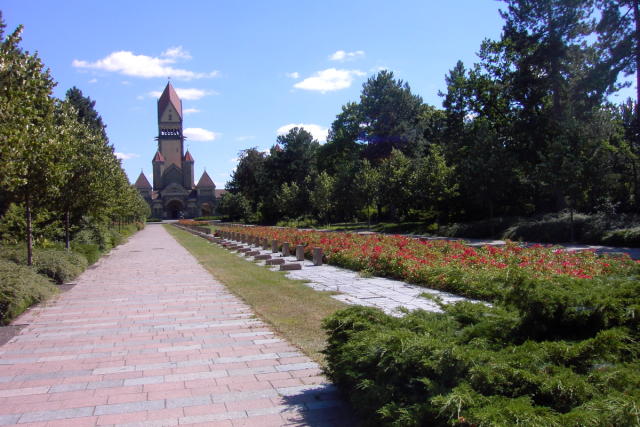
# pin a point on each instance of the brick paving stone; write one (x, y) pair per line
(148, 337)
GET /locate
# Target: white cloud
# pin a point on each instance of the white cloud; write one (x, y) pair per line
(342, 56)
(329, 80)
(126, 82)
(93, 80)
(127, 63)
(234, 160)
(191, 94)
(320, 133)
(190, 110)
(126, 156)
(294, 75)
(176, 52)
(199, 134)
(245, 138)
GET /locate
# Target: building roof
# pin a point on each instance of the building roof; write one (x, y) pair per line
(219, 193)
(188, 157)
(158, 157)
(205, 181)
(169, 96)
(142, 182)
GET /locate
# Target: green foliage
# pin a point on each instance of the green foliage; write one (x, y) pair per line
(234, 206)
(20, 287)
(546, 354)
(46, 226)
(59, 265)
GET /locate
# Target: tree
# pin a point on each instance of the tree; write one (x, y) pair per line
(367, 183)
(395, 177)
(288, 199)
(249, 177)
(322, 195)
(390, 116)
(31, 145)
(235, 206)
(86, 111)
(433, 182)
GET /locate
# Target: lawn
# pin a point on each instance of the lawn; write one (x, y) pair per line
(295, 310)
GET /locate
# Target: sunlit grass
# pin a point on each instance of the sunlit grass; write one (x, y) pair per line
(294, 310)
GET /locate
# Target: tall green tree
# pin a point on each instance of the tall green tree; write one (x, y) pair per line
(390, 117)
(322, 195)
(31, 145)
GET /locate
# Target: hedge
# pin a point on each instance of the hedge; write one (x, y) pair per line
(546, 354)
(20, 287)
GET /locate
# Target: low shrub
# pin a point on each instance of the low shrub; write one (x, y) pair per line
(58, 264)
(20, 287)
(475, 365)
(623, 237)
(153, 219)
(90, 251)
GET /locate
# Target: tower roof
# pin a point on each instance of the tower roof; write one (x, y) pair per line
(142, 182)
(158, 157)
(169, 96)
(205, 181)
(188, 157)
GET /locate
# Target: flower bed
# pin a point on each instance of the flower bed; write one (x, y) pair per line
(447, 265)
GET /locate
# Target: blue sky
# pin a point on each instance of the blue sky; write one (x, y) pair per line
(245, 70)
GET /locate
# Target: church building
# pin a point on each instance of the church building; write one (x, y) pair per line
(174, 193)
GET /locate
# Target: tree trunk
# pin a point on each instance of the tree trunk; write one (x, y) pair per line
(636, 18)
(27, 203)
(67, 243)
(571, 227)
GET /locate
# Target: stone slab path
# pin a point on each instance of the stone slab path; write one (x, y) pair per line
(391, 296)
(147, 337)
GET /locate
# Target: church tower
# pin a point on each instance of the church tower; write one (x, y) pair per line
(174, 193)
(170, 138)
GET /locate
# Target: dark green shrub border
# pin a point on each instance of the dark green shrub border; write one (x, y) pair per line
(546, 354)
(20, 287)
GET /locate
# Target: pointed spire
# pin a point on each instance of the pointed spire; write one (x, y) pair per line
(205, 181)
(158, 157)
(169, 96)
(188, 157)
(142, 182)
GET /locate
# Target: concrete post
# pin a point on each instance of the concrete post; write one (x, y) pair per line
(274, 246)
(300, 252)
(285, 249)
(317, 256)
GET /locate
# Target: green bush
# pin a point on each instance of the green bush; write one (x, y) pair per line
(58, 264)
(561, 353)
(153, 219)
(90, 251)
(623, 237)
(20, 287)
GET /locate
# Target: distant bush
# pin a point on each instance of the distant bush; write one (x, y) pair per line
(623, 237)
(58, 264)
(478, 229)
(621, 230)
(20, 287)
(153, 219)
(208, 218)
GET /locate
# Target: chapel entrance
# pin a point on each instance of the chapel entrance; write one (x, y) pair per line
(206, 209)
(175, 209)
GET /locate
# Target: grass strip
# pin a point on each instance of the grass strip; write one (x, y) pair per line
(293, 309)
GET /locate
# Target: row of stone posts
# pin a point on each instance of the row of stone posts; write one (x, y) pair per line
(228, 240)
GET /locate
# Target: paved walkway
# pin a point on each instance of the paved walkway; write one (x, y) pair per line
(148, 337)
(391, 296)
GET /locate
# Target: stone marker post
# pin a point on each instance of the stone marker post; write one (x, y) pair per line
(285, 249)
(317, 256)
(300, 252)
(274, 246)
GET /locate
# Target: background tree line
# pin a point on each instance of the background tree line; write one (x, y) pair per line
(529, 129)
(58, 172)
